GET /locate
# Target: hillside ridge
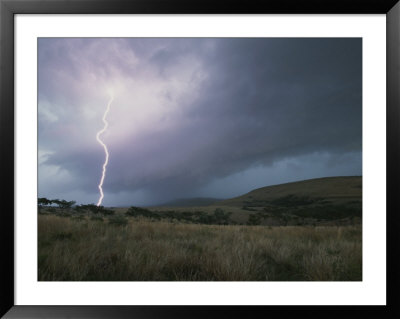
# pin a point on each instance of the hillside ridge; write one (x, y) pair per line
(337, 188)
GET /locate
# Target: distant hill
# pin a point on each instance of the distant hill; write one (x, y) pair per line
(321, 201)
(335, 190)
(189, 202)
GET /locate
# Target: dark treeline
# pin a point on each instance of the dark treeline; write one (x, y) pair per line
(43, 201)
(68, 205)
(68, 209)
(219, 217)
(285, 211)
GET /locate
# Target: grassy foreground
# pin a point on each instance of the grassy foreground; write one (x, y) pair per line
(94, 250)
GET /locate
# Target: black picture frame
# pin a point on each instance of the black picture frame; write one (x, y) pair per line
(8, 8)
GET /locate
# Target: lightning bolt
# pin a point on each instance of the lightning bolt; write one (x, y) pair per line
(99, 133)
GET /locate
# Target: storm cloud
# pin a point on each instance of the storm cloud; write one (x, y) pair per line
(196, 116)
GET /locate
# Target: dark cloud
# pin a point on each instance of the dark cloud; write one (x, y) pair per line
(237, 104)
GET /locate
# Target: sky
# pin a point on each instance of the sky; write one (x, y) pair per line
(195, 117)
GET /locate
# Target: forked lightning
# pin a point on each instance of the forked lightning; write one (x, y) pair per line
(103, 175)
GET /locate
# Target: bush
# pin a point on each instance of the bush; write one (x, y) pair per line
(104, 211)
(329, 212)
(249, 209)
(118, 221)
(254, 219)
(108, 212)
(79, 208)
(293, 201)
(90, 207)
(220, 217)
(138, 211)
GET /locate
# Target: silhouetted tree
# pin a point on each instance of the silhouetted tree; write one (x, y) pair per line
(43, 201)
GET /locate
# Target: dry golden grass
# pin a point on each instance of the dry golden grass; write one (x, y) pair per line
(87, 250)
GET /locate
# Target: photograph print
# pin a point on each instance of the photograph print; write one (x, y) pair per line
(199, 159)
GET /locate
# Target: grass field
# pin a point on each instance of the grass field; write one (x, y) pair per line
(94, 248)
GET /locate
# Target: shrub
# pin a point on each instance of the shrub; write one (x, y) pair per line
(220, 217)
(90, 207)
(79, 208)
(138, 211)
(329, 212)
(249, 209)
(292, 201)
(118, 221)
(107, 212)
(254, 219)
